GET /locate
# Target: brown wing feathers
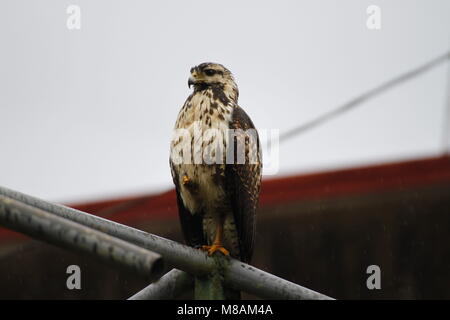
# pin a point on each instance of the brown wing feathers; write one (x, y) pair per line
(243, 184)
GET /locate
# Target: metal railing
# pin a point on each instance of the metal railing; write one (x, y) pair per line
(142, 253)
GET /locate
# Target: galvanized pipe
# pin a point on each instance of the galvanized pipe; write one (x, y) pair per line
(244, 277)
(68, 234)
(174, 253)
(170, 286)
(237, 275)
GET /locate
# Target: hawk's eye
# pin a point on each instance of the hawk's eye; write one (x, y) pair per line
(209, 72)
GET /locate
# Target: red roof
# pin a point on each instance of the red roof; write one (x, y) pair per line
(283, 190)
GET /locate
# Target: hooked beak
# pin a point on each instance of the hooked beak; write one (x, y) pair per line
(191, 81)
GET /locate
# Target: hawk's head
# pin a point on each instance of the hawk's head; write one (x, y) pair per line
(213, 75)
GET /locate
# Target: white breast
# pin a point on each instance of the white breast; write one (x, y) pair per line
(204, 122)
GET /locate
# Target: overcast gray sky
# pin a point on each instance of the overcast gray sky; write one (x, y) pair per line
(88, 114)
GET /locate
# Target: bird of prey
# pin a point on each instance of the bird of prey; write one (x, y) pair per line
(216, 165)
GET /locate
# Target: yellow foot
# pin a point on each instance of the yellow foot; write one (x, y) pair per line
(185, 180)
(214, 248)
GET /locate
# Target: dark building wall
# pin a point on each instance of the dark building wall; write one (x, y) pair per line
(323, 244)
(327, 245)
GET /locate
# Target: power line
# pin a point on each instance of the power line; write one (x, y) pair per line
(446, 133)
(364, 97)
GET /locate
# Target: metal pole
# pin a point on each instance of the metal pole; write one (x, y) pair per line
(178, 255)
(211, 286)
(68, 234)
(170, 286)
(237, 275)
(244, 277)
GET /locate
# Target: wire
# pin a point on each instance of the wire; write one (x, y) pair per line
(364, 97)
(446, 133)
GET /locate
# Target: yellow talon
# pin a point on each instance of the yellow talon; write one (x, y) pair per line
(214, 248)
(217, 243)
(185, 180)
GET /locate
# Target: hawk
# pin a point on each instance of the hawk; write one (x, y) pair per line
(216, 165)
